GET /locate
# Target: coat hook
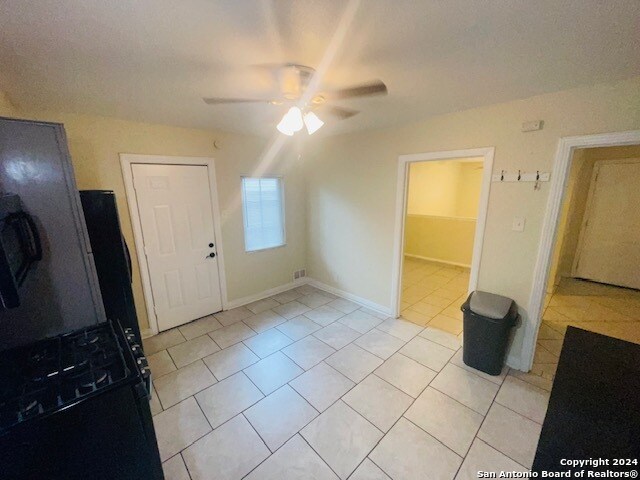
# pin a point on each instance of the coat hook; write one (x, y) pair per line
(519, 176)
(502, 176)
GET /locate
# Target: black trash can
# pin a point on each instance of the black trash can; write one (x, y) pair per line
(488, 320)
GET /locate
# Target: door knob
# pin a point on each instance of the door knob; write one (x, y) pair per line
(211, 255)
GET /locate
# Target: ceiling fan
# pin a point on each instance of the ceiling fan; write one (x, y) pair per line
(293, 80)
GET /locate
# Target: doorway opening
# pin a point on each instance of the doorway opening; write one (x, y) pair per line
(593, 280)
(440, 219)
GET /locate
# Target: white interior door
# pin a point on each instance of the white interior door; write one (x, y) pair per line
(609, 247)
(174, 205)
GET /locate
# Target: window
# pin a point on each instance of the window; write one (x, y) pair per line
(263, 205)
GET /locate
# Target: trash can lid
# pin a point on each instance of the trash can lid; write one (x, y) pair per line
(490, 305)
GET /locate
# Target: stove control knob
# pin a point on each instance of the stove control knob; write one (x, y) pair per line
(128, 330)
(137, 350)
(146, 377)
(142, 362)
(131, 338)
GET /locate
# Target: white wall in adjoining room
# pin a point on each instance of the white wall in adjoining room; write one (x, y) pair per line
(352, 181)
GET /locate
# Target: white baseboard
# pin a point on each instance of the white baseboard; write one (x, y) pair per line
(512, 360)
(438, 260)
(315, 283)
(239, 302)
(350, 296)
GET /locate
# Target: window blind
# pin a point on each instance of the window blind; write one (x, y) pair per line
(262, 201)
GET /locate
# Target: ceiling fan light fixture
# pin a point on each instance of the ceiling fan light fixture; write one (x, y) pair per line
(291, 122)
(312, 122)
(282, 128)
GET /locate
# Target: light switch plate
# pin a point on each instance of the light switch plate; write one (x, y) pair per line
(518, 224)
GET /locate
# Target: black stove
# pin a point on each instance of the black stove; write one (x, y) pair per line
(77, 391)
(57, 372)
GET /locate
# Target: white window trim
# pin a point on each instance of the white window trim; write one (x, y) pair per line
(284, 214)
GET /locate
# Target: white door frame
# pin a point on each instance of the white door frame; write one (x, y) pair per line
(126, 161)
(557, 191)
(401, 209)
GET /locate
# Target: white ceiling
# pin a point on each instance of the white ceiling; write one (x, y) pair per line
(153, 60)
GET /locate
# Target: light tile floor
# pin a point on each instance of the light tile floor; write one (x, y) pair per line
(432, 294)
(600, 308)
(307, 385)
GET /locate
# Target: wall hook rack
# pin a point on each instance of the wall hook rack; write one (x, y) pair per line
(521, 176)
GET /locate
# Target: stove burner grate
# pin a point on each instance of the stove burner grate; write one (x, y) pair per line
(55, 372)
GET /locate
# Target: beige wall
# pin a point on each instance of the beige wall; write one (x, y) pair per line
(352, 192)
(469, 187)
(448, 188)
(7, 109)
(442, 203)
(95, 143)
(433, 188)
(444, 239)
(575, 203)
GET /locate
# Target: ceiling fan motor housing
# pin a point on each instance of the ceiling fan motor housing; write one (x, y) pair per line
(294, 79)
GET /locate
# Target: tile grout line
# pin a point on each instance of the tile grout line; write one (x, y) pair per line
(297, 431)
(318, 454)
(185, 465)
(495, 448)
(435, 438)
(195, 393)
(403, 416)
(254, 428)
(340, 398)
(475, 435)
(200, 437)
(213, 429)
(518, 413)
(483, 420)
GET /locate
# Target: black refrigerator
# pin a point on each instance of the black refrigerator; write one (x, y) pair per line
(111, 256)
(74, 381)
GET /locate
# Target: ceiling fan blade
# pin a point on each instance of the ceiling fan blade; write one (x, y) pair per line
(220, 101)
(340, 112)
(377, 87)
